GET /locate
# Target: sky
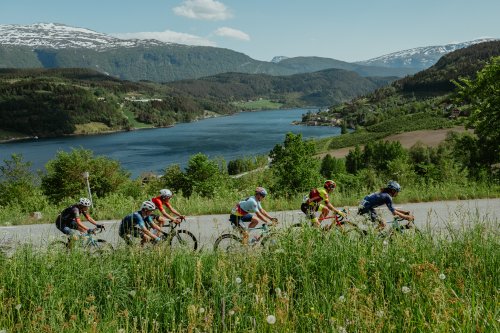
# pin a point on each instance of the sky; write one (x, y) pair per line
(348, 30)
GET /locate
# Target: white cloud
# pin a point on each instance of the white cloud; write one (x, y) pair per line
(203, 10)
(168, 36)
(232, 33)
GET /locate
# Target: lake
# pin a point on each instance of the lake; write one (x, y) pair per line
(231, 137)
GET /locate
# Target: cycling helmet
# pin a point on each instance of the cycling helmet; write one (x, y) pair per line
(394, 186)
(85, 202)
(260, 190)
(148, 205)
(330, 184)
(166, 193)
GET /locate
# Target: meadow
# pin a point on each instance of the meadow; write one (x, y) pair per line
(308, 282)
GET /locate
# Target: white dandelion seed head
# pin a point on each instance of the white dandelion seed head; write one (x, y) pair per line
(271, 319)
(442, 276)
(380, 313)
(341, 329)
(132, 293)
(385, 243)
(231, 312)
(201, 310)
(238, 280)
(18, 307)
(342, 298)
(405, 289)
(278, 291)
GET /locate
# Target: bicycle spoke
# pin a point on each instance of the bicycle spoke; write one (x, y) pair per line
(183, 239)
(228, 243)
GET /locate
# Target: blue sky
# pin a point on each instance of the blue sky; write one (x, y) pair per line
(347, 30)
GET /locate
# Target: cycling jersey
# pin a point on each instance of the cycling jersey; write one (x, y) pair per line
(377, 199)
(317, 195)
(244, 207)
(134, 221)
(159, 203)
(68, 217)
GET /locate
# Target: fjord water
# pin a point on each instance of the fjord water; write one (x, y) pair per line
(243, 134)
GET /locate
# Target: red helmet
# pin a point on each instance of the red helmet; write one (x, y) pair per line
(330, 184)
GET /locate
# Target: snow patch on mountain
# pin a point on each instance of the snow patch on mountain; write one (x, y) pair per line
(59, 36)
(420, 57)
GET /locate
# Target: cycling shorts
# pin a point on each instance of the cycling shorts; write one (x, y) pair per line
(237, 221)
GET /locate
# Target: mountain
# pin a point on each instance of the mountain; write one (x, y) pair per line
(420, 57)
(49, 45)
(277, 59)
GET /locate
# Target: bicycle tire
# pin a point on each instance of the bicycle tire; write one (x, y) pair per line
(228, 243)
(183, 239)
(270, 242)
(99, 247)
(58, 246)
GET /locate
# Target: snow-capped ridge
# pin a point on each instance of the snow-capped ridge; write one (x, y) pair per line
(60, 36)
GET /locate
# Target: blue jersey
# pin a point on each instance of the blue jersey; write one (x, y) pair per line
(377, 199)
(135, 220)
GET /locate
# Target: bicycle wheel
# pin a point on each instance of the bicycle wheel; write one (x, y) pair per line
(352, 231)
(183, 239)
(228, 243)
(99, 247)
(58, 246)
(270, 242)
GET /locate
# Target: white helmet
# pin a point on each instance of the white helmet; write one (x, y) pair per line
(85, 202)
(148, 205)
(166, 193)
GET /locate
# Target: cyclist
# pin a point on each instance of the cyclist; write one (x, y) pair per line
(319, 200)
(69, 222)
(164, 199)
(138, 224)
(244, 212)
(371, 201)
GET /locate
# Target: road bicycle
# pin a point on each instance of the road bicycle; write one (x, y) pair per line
(178, 238)
(339, 223)
(230, 242)
(86, 241)
(399, 226)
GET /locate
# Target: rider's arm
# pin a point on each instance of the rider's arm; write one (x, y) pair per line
(261, 216)
(81, 226)
(148, 233)
(403, 214)
(89, 218)
(172, 209)
(333, 209)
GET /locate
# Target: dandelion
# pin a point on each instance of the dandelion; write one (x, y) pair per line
(405, 290)
(250, 285)
(271, 319)
(402, 260)
(201, 310)
(231, 312)
(121, 330)
(442, 276)
(3, 331)
(385, 243)
(341, 329)
(18, 307)
(132, 293)
(278, 291)
(379, 313)
(238, 280)
(342, 299)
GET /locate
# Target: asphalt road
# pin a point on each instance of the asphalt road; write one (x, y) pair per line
(435, 216)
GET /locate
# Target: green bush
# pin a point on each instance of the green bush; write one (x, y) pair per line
(65, 179)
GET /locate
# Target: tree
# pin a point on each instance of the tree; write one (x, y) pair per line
(294, 166)
(65, 179)
(203, 176)
(483, 94)
(17, 182)
(331, 166)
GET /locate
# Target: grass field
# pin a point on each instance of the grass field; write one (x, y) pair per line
(309, 282)
(261, 104)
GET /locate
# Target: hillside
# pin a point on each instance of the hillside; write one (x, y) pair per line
(320, 88)
(46, 103)
(419, 102)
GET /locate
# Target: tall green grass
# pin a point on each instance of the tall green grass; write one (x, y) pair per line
(310, 282)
